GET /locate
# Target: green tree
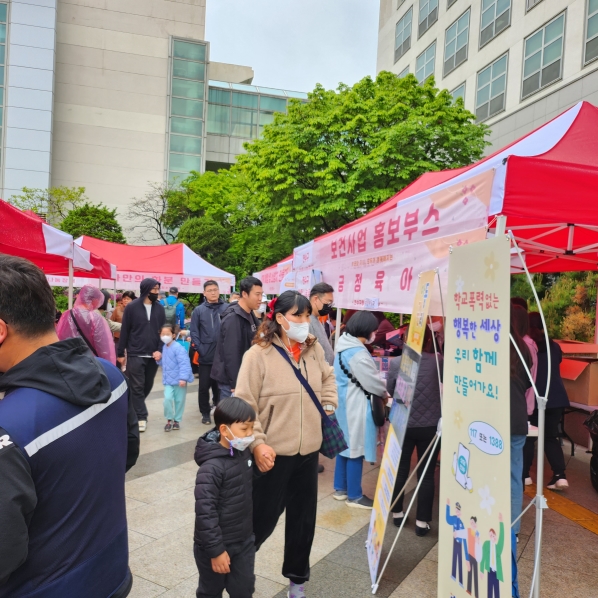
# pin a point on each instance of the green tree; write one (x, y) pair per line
(53, 204)
(95, 221)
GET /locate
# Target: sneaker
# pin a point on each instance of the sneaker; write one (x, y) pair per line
(528, 481)
(142, 425)
(340, 495)
(168, 426)
(320, 468)
(206, 420)
(296, 591)
(558, 482)
(397, 520)
(176, 426)
(361, 503)
(422, 531)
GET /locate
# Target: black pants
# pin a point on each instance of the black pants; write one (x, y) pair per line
(417, 438)
(552, 445)
(239, 583)
(141, 372)
(292, 484)
(472, 573)
(205, 383)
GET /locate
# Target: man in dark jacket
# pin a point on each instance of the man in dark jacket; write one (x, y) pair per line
(205, 329)
(63, 453)
(140, 338)
(237, 332)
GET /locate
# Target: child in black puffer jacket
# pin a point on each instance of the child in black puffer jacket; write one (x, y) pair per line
(224, 544)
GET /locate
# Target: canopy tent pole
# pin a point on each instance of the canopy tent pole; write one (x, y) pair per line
(71, 277)
(100, 283)
(337, 329)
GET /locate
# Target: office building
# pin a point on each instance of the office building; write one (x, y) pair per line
(112, 95)
(515, 63)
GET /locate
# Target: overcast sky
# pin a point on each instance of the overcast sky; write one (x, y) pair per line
(294, 44)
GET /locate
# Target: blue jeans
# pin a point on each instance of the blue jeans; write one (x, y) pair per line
(225, 391)
(517, 443)
(347, 476)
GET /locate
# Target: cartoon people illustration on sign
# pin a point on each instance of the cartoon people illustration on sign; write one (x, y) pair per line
(473, 553)
(455, 521)
(492, 559)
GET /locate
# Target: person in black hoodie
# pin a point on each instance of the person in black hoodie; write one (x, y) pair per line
(224, 544)
(205, 329)
(140, 338)
(237, 331)
(64, 434)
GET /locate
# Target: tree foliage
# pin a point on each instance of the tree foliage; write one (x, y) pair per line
(95, 221)
(53, 204)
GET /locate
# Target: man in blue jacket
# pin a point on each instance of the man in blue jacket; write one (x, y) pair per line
(63, 453)
(174, 309)
(205, 329)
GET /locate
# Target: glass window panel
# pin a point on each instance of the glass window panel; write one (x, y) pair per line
(300, 95)
(551, 73)
(553, 51)
(274, 104)
(482, 112)
(554, 29)
(189, 70)
(219, 96)
(531, 84)
(459, 92)
(185, 145)
(451, 48)
(498, 86)
(1, 97)
(497, 104)
(592, 49)
(220, 84)
(3, 34)
(462, 39)
(502, 6)
(463, 22)
(184, 162)
(487, 4)
(187, 108)
(3, 12)
(1, 74)
(487, 17)
(188, 89)
(190, 51)
(484, 77)
(2, 53)
(218, 119)
(403, 34)
(244, 123)
(1, 114)
(186, 126)
(533, 43)
(245, 100)
(499, 67)
(593, 6)
(532, 64)
(501, 22)
(483, 95)
(176, 177)
(266, 118)
(451, 32)
(253, 88)
(592, 26)
(404, 72)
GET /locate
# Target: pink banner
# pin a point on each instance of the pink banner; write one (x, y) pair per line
(273, 277)
(375, 264)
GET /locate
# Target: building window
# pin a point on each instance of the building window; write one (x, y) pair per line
(459, 92)
(187, 109)
(543, 57)
(496, 17)
(3, 27)
(400, 3)
(592, 31)
(455, 43)
(449, 3)
(403, 34)
(424, 65)
(428, 15)
(491, 89)
(404, 72)
(529, 4)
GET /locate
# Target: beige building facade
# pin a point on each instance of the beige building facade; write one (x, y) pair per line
(515, 63)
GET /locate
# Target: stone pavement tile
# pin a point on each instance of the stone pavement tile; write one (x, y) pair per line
(336, 516)
(137, 540)
(162, 459)
(331, 580)
(264, 588)
(185, 589)
(142, 588)
(189, 466)
(566, 547)
(157, 442)
(163, 516)
(421, 582)
(167, 561)
(133, 504)
(433, 554)
(156, 486)
(557, 582)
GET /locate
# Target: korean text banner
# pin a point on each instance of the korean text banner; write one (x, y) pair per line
(273, 277)
(421, 307)
(374, 262)
(474, 546)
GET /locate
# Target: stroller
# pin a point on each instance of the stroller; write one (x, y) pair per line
(592, 425)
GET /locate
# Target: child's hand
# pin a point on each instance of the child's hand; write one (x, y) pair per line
(182, 383)
(221, 564)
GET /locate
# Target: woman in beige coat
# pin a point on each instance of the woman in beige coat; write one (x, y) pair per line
(288, 431)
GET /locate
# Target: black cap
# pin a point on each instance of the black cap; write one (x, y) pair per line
(173, 290)
(457, 506)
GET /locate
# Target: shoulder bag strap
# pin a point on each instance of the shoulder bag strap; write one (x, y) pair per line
(368, 395)
(91, 347)
(303, 381)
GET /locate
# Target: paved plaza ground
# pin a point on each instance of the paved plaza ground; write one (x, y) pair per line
(160, 508)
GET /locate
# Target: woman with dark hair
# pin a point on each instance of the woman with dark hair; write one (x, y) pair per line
(354, 363)
(557, 401)
(519, 384)
(521, 323)
(421, 431)
(288, 429)
(384, 327)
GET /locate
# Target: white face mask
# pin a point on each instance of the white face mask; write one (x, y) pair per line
(436, 326)
(262, 308)
(371, 339)
(297, 332)
(166, 339)
(239, 443)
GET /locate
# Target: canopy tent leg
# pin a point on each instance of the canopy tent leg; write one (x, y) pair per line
(337, 328)
(100, 283)
(71, 280)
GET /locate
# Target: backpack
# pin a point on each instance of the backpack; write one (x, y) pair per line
(170, 313)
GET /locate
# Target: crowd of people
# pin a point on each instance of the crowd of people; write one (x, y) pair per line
(276, 371)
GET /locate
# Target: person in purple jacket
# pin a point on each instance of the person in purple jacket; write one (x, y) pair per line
(176, 373)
